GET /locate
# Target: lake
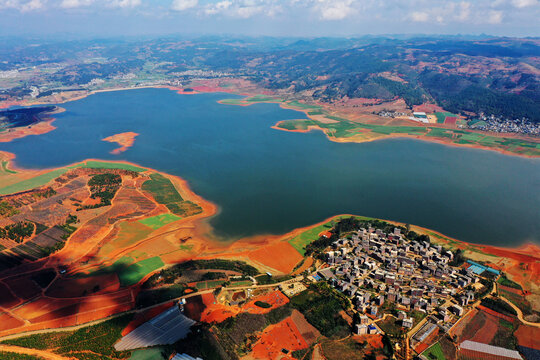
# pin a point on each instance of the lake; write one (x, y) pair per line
(270, 181)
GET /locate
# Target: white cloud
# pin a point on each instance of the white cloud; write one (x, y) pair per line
(449, 12)
(219, 7)
(420, 16)
(125, 3)
(22, 6)
(495, 17)
(71, 4)
(334, 9)
(181, 5)
(244, 9)
(31, 5)
(524, 3)
(463, 11)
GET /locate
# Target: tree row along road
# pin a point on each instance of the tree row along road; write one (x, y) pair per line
(95, 322)
(34, 352)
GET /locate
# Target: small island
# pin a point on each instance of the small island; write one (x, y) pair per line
(125, 140)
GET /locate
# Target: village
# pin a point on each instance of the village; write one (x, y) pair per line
(411, 291)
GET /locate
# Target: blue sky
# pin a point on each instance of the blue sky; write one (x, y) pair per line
(269, 17)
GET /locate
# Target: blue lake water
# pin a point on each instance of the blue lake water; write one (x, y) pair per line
(271, 181)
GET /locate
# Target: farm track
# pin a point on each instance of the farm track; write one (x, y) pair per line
(519, 313)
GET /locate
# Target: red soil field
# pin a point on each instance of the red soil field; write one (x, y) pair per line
(374, 341)
(275, 298)
(102, 313)
(194, 307)
(280, 256)
(509, 289)
(430, 340)
(528, 336)
(75, 287)
(283, 335)
(494, 313)
(204, 88)
(216, 312)
(63, 312)
(428, 108)
(145, 316)
(307, 263)
(97, 302)
(460, 326)
(7, 299)
(451, 120)
(43, 306)
(9, 322)
(308, 332)
(23, 287)
(488, 331)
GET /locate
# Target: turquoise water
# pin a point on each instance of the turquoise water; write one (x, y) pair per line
(271, 181)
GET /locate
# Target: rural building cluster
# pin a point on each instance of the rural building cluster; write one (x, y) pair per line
(501, 124)
(387, 275)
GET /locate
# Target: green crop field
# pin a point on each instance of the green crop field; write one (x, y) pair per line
(155, 222)
(202, 285)
(303, 106)
(5, 168)
(155, 353)
(32, 183)
(438, 132)
(299, 242)
(43, 179)
(165, 193)
(261, 98)
(109, 165)
(132, 274)
(128, 271)
(441, 116)
(435, 352)
(241, 283)
(507, 282)
(231, 101)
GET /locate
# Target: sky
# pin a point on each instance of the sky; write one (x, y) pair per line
(304, 18)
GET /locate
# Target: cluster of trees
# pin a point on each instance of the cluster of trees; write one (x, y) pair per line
(321, 305)
(7, 209)
(171, 274)
(103, 187)
(18, 231)
(460, 94)
(498, 305)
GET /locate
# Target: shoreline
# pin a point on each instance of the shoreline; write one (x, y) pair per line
(311, 128)
(213, 208)
(207, 247)
(42, 127)
(209, 89)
